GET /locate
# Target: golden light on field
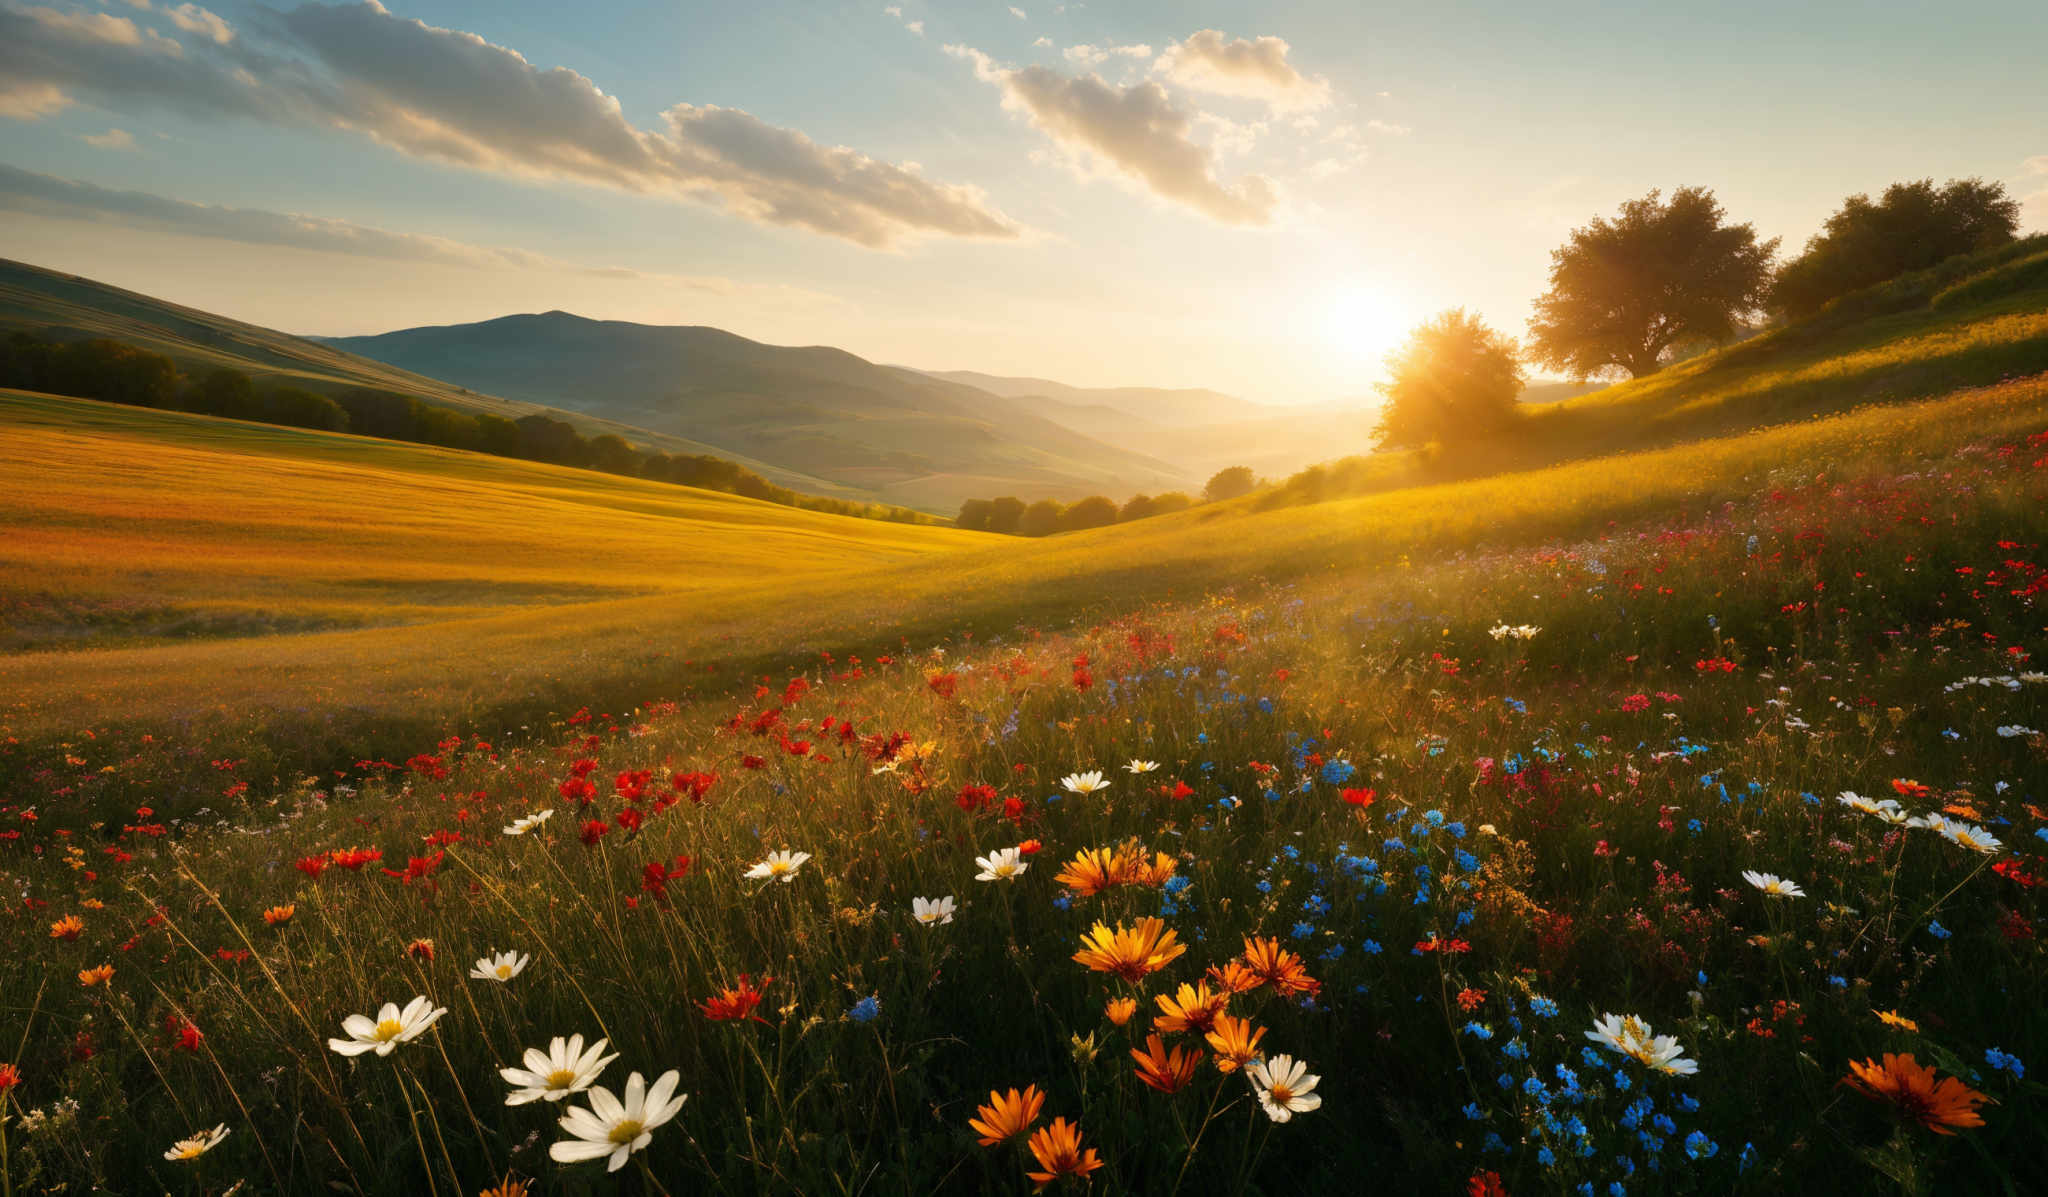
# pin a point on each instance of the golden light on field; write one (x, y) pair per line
(1360, 323)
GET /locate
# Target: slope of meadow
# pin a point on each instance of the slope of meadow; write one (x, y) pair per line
(1426, 791)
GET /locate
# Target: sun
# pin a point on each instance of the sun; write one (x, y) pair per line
(1359, 323)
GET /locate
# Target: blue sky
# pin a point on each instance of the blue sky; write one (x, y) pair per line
(1259, 198)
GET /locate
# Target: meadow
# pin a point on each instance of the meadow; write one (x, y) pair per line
(1668, 822)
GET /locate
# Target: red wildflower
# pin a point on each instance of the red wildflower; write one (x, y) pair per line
(1360, 798)
(313, 866)
(943, 684)
(594, 830)
(630, 819)
(185, 1036)
(975, 797)
(737, 1003)
(1485, 1184)
(353, 859)
(422, 949)
(9, 1077)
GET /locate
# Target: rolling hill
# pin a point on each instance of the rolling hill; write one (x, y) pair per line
(63, 307)
(892, 434)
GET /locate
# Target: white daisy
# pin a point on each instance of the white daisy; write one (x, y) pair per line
(1004, 864)
(1630, 1036)
(1968, 835)
(932, 913)
(1084, 784)
(780, 866)
(1772, 885)
(552, 1075)
(1137, 766)
(527, 823)
(615, 1128)
(1283, 1086)
(500, 966)
(391, 1027)
(197, 1145)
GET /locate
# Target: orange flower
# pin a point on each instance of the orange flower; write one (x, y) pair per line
(90, 977)
(1278, 967)
(1236, 1042)
(1235, 977)
(737, 1003)
(1058, 1149)
(422, 948)
(1159, 872)
(1897, 1021)
(1092, 870)
(1194, 1007)
(506, 1188)
(1007, 1114)
(277, 916)
(9, 1077)
(1910, 1086)
(1132, 953)
(68, 927)
(1470, 999)
(1168, 1072)
(1120, 1009)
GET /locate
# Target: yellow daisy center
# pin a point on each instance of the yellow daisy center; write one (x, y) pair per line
(561, 1078)
(1281, 1094)
(504, 972)
(626, 1131)
(389, 1029)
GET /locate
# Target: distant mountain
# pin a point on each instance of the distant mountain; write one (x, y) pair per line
(65, 307)
(1203, 430)
(1188, 406)
(895, 434)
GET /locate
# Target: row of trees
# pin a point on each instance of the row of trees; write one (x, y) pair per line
(115, 372)
(1012, 516)
(1665, 278)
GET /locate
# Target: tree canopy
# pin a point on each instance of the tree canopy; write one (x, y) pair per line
(1453, 379)
(1910, 227)
(1660, 277)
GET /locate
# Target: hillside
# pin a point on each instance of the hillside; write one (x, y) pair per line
(131, 527)
(64, 307)
(892, 434)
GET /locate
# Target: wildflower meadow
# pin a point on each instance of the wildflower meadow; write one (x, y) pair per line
(1695, 853)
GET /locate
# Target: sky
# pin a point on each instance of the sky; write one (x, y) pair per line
(1256, 197)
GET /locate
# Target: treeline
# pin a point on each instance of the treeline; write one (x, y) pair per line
(1011, 516)
(116, 372)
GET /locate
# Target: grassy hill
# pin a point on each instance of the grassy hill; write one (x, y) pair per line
(894, 434)
(137, 527)
(63, 307)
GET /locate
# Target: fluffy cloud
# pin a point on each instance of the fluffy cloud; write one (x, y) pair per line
(193, 19)
(1087, 55)
(112, 139)
(1136, 130)
(33, 194)
(454, 97)
(1245, 68)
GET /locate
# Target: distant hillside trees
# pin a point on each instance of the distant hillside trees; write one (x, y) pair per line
(1146, 506)
(1233, 483)
(1041, 518)
(1912, 226)
(114, 372)
(1453, 380)
(1661, 277)
(1095, 511)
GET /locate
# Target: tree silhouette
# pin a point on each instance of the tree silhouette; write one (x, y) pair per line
(1454, 379)
(1235, 482)
(1659, 277)
(1911, 226)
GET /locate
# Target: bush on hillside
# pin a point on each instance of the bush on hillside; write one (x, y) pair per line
(1912, 226)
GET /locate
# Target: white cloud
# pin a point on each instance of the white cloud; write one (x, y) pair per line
(32, 194)
(1087, 55)
(1389, 128)
(1019, 13)
(112, 139)
(2036, 165)
(451, 96)
(193, 19)
(1043, 43)
(1135, 131)
(1252, 69)
(916, 27)
(23, 100)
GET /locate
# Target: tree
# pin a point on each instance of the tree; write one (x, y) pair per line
(1041, 518)
(1171, 502)
(1660, 277)
(1911, 227)
(1095, 511)
(613, 454)
(301, 409)
(1138, 507)
(1233, 483)
(1006, 515)
(1454, 379)
(973, 515)
(223, 392)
